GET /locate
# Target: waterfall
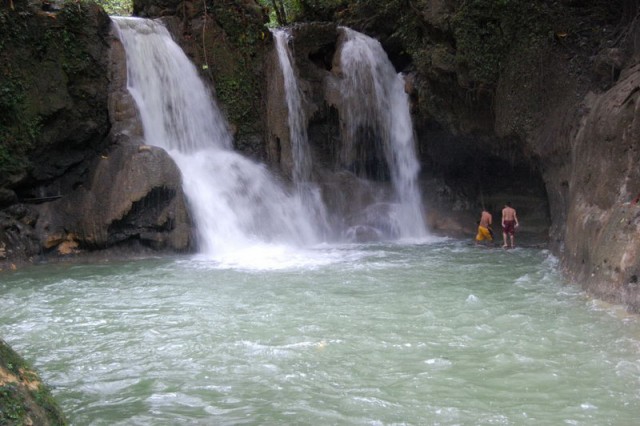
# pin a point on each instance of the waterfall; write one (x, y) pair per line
(376, 123)
(302, 161)
(296, 119)
(234, 201)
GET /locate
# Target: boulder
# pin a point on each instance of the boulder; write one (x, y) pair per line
(134, 195)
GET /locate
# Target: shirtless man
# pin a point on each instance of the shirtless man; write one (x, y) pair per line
(484, 231)
(509, 223)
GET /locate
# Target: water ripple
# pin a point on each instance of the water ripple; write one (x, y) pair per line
(423, 334)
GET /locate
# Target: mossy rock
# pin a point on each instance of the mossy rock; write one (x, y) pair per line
(59, 53)
(24, 398)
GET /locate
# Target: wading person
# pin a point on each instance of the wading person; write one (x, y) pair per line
(509, 224)
(484, 227)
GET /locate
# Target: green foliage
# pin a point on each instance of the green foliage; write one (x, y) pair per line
(238, 92)
(12, 410)
(16, 134)
(242, 31)
(117, 7)
(486, 30)
(298, 10)
(232, 61)
(11, 97)
(16, 400)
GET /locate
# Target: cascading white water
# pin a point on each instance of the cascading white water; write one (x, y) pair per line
(296, 120)
(374, 100)
(235, 202)
(302, 161)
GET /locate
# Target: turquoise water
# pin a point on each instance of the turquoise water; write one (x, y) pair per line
(434, 334)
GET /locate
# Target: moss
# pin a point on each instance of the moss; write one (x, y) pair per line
(18, 128)
(235, 59)
(12, 409)
(42, 39)
(235, 92)
(14, 143)
(24, 400)
(75, 56)
(487, 30)
(9, 360)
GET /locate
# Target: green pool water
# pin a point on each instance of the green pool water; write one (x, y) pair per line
(429, 334)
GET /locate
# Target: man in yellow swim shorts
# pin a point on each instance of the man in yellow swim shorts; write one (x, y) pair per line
(484, 227)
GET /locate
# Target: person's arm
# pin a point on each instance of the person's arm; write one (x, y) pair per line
(503, 218)
(515, 217)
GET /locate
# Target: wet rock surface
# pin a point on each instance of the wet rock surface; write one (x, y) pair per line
(601, 240)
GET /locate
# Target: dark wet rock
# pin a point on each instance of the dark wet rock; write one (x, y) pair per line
(313, 47)
(52, 134)
(7, 197)
(135, 193)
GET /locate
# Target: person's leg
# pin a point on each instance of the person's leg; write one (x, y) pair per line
(504, 237)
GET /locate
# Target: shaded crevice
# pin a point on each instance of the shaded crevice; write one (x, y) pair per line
(323, 56)
(369, 159)
(470, 175)
(142, 213)
(324, 136)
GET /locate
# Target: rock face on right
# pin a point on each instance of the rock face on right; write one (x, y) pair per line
(602, 236)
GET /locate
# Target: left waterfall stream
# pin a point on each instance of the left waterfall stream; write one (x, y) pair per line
(241, 212)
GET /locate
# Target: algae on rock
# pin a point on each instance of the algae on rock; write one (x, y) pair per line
(24, 398)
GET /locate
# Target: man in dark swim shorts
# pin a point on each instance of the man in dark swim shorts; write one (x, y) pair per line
(509, 224)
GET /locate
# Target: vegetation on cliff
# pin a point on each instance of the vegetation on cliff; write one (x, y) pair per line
(459, 49)
(283, 12)
(117, 7)
(19, 125)
(41, 51)
(24, 399)
(227, 40)
(234, 62)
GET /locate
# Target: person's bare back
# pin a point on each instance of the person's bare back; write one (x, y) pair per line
(485, 219)
(509, 213)
(509, 224)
